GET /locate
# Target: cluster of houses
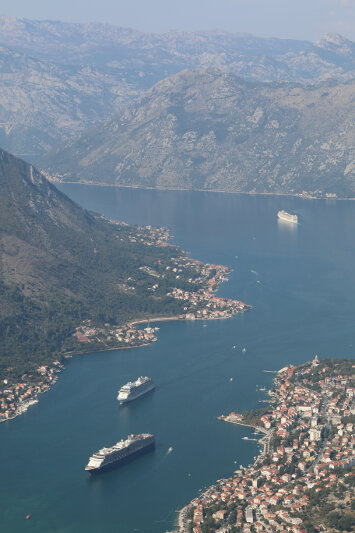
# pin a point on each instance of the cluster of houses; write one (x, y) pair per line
(204, 274)
(118, 336)
(311, 429)
(16, 398)
(148, 235)
(203, 304)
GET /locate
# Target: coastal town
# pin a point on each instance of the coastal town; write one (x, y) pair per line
(200, 302)
(127, 336)
(303, 479)
(16, 398)
(203, 303)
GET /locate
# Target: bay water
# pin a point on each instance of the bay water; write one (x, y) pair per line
(300, 281)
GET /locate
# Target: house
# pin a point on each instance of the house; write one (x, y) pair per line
(220, 515)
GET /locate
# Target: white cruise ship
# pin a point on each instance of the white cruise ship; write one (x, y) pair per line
(287, 217)
(120, 453)
(133, 390)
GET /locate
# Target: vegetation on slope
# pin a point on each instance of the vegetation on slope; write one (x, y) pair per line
(60, 265)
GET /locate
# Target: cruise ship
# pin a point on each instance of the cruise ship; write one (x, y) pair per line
(287, 217)
(122, 452)
(134, 390)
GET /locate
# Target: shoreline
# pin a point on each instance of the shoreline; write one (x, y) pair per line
(181, 524)
(157, 319)
(23, 407)
(69, 355)
(196, 319)
(183, 189)
(263, 440)
(302, 456)
(257, 428)
(119, 337)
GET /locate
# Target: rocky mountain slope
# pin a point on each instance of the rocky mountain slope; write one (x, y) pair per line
(42, 103)
(57, 79)
(214, 131)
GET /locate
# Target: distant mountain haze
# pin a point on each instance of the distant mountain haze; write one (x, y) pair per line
(211, 130)
(58, 79)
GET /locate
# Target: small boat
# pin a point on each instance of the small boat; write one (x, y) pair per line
(234, 347)
(244, 349)
(170, 449)
(230, 379)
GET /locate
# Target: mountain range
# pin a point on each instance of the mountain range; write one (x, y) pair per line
(211, 130)
(58, 79)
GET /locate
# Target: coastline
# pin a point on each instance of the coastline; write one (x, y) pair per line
(200, 304)
(263, 440)
(308, 451)
(181, 520)
(157, 319)
(23, 406)
(257, 428)
(185, 189)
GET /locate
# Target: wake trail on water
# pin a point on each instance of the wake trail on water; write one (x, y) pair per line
(162, 460)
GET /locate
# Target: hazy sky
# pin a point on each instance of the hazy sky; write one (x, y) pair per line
(300, 19)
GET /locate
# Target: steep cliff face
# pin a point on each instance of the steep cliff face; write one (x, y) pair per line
(214, 131)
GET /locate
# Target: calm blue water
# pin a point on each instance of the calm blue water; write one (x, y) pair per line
(301, 283)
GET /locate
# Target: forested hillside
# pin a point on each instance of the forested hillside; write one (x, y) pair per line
(60, 265)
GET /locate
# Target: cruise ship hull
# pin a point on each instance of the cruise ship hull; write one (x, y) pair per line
(122, 460)
(136, 395)
(287, 217)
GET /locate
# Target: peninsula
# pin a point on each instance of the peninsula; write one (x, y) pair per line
(303, 479)
(72, 281)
